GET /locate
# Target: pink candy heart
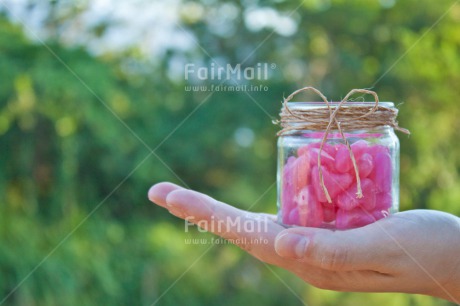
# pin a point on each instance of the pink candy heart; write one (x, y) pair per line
(379, 214)
(382, 172)
(310, 210)
(383, 201)
(287, 192)
(357, 217)
(326, 159)
(335, 183)
(360, 147)
(329, 212)
(343, 162)
(365, 165)
(348, 200)
(374, 149)
(300, 172)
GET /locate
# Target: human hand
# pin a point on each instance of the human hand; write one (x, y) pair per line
(413, 252)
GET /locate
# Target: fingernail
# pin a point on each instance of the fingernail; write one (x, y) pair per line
(176, 212)
(291, 245)
(171, 201)
(173, 208)
(158, 192)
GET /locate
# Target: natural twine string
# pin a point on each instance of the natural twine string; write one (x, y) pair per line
(345, 117)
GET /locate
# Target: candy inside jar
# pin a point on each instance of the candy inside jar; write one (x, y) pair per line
(338, 162)
(303, 201)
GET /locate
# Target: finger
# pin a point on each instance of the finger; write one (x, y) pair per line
(228, 222)
(254, 233)
(357, 249)
(158, 192)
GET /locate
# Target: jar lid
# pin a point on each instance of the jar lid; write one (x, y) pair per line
(355, 115)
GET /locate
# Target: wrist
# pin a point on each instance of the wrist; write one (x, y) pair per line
(449, 289)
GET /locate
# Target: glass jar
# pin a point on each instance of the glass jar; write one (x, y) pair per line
(301, 197)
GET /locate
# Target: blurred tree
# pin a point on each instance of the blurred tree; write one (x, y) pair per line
(66, 148)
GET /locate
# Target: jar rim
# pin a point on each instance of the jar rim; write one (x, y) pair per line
(308, 105)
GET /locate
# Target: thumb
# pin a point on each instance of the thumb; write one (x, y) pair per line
(357, 249)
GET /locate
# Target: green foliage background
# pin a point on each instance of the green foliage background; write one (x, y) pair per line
(75, 230)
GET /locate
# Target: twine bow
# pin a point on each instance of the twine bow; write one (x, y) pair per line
(356, 117)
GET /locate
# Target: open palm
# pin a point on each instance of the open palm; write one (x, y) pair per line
(413, 252)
